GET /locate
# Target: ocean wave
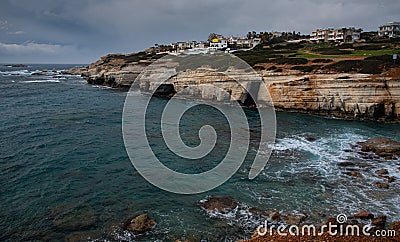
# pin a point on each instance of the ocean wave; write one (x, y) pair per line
(43, 81)
(16, 73)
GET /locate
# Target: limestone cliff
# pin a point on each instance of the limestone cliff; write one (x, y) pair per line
(345, 95)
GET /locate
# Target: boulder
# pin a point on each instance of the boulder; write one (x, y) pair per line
(140, 224)
(383, 147)
(223, 204)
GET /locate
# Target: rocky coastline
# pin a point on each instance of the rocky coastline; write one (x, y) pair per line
(238, 221)
(341, 95)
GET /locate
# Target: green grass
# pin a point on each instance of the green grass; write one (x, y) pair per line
(355, 53)
(374, 52)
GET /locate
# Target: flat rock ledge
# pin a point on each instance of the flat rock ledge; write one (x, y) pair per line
(383, 147)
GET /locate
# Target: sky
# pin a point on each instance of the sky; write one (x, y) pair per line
(81, 31)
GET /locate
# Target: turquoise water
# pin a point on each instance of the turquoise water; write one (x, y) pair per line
(64, 167)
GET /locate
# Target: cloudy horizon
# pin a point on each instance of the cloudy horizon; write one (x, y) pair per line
(58, 31)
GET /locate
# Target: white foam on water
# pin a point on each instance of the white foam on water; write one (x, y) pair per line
(297, 155)
(43, 81)
(16, 73)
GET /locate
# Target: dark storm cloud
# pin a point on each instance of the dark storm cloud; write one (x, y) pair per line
(81, 31)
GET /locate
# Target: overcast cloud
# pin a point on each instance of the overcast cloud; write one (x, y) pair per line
(55, 31)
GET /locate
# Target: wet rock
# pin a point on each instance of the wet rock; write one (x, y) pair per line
(389, 179)
(379, 221)
(76, 220)
(346, 163)
(293, 218)
(365, 166)
(256, 211)
(223, 204)
(364, 215)
(382, 185)
(382, 172)
(290, 182)
(273, 214)
(382, 147)
(140, 224)
(354, 173)
(310, 138)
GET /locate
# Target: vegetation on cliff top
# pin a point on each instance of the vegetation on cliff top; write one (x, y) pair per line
(368, 58)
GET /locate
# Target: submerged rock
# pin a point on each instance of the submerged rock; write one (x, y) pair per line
(354, 173)
(310, 137)
(76, 220)
(222, 204)
(383, 147)
(140, 224)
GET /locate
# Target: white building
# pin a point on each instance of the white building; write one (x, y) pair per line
(218, 44)
(344, 35)
(391, 29)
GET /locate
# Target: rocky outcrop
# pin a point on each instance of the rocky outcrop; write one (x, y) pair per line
(114, 70)
(358, 96)
(140, 224)
(382, 147)
(223, 204)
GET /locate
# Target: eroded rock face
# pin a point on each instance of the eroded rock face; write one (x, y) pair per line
(140, 224)
(358, 96)
(223, 204)
(383, 147)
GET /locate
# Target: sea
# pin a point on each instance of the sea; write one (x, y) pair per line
(65, 173)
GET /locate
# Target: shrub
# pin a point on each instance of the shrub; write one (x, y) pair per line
(290, 61)
(303, 68)
(333, 51)
(360, 66)
(368, 47)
